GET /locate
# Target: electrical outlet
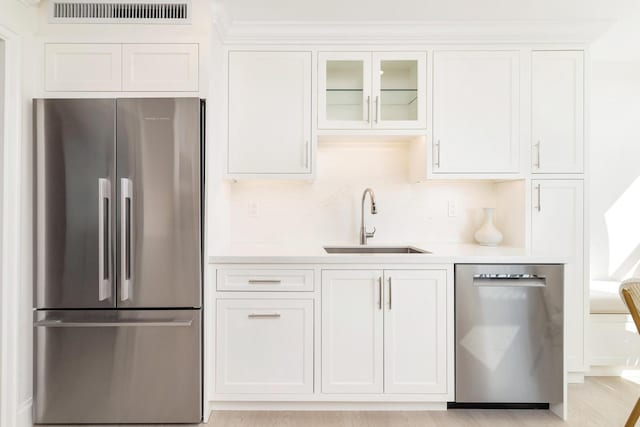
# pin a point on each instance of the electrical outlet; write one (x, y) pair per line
(252, 210)
(452, 210)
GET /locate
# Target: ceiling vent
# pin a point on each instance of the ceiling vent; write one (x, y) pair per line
(121, 12)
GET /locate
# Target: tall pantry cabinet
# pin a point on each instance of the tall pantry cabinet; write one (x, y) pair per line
(557, 185)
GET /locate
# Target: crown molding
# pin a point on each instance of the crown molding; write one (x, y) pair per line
(31, 3)
(405, 33)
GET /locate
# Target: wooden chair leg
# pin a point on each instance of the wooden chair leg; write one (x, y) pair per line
(634, 415)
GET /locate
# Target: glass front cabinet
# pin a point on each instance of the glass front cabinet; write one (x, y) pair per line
(365, 90)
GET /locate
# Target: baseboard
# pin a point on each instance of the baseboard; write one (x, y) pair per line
(575, 377)
(25, 414)
(326, 406)
(605, 371)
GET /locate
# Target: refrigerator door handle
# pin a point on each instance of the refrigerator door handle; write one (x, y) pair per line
(114, 324)
(104, 239)
(126, 237)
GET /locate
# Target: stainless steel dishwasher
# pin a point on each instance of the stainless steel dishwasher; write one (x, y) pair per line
(509, 335)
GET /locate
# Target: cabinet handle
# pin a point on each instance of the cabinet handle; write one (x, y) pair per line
(264, 316)
(437, 154)
(368, 108)
(389, 293)
(380, 293)
(264, 281)
(537, 163)
(539, 207)
(377, 107)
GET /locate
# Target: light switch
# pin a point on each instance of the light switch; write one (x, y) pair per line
(452, 209)
(252, 210)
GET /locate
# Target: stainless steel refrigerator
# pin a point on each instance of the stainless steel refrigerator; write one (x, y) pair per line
(118, 263)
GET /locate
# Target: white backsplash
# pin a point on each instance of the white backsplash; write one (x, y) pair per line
(327, 211)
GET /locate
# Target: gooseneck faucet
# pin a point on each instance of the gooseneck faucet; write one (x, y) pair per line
(364, 234)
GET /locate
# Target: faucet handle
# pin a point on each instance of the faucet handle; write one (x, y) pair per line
(370, 234)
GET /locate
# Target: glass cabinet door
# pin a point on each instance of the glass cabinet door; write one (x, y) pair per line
(400, 90)
(344, 83)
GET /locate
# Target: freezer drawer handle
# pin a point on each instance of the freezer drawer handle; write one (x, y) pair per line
(510, 280)
(126, 237)
(264, 316)
(104, 239)
(61, 324)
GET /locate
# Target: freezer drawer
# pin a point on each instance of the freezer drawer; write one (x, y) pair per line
(117, 366)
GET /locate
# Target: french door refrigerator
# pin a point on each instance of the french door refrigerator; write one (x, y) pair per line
(118, 269)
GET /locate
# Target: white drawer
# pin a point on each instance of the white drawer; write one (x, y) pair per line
(264, 346)
(264, 280)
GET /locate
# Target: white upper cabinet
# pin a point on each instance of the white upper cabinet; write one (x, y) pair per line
(415, 331)
(344, 90)
(83, 67)
(160, 67)
(557, 111)
(352, 331)
(364, 90)
(476, 112)
(557, 229)
(101, 67)
(269, 113)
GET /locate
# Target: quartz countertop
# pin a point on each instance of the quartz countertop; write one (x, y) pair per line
(440, 254)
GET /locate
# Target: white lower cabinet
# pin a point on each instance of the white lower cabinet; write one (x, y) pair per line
(557, 228)
(415, 334)
(384, 331)
(352, 331)
(264, 346)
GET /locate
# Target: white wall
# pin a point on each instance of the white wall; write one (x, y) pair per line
(615, 151)
(19, 19)
(327, 210)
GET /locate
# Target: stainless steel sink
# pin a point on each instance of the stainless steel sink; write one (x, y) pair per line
(374, 250)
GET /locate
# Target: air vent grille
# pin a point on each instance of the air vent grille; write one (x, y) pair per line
(120, 12)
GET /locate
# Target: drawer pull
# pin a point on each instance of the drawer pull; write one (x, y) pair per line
(264, 316)
(265, 281)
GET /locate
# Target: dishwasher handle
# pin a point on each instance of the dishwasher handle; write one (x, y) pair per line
(510, 280)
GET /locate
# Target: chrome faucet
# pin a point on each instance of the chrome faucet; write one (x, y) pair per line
(364, 234)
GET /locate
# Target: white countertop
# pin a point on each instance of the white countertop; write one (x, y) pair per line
(441, 254)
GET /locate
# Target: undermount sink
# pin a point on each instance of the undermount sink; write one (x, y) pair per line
(374, 250)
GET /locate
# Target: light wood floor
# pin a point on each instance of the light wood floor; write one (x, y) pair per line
(600, 401)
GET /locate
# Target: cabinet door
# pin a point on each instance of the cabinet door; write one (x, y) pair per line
(476, 101)
(269, 113)
(557, 229)
(344, 90)
(264, 346)
(557, 111)
(83, 67)
(352, 335)
(415, 331)
(160, 67)
(399, 90)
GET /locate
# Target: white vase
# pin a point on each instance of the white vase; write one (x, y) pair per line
(488, 234)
